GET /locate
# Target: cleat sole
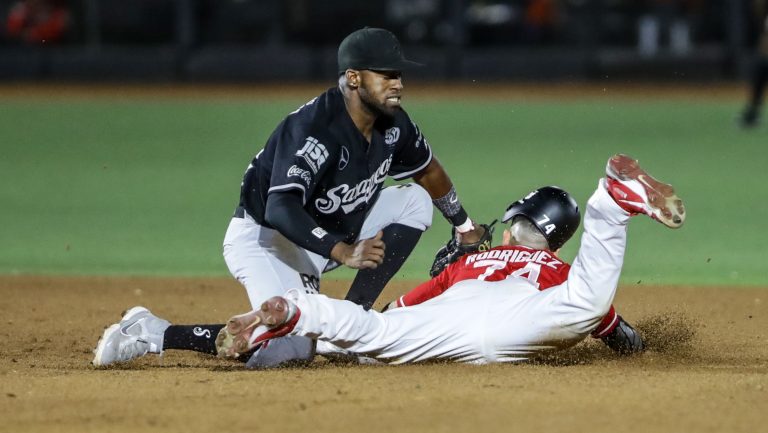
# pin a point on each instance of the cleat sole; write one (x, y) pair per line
(238, 337)
(668, 208)
(233, 338)
(98, 352)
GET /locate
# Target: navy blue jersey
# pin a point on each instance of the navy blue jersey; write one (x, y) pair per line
(318, 152)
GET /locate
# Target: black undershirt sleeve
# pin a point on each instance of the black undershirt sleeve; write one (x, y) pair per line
(284, 212)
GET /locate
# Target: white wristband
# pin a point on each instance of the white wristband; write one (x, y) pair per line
(465, 227)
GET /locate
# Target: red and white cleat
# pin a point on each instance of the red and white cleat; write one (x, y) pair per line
(276, 318)
(637, 192)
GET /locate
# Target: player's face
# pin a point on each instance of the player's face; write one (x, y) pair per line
(381, 91)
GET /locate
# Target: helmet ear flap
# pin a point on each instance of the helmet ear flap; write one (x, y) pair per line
(552, 210)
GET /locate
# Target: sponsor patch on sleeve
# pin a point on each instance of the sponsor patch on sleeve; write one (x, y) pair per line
(319, 232)
(314, 153)
(302, 174)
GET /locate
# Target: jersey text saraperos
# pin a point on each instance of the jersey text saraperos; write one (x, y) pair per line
(348, 198)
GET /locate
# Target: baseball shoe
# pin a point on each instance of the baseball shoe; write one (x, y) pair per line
(624, 339)
(276, 318)
(138, 333)
(637, 192)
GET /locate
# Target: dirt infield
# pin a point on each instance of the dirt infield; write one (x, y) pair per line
(707, 370)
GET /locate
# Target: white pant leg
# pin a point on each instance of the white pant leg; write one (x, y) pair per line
(594, 274)
(266, 263)
(407, 204)
(441, 328)
(564, 315)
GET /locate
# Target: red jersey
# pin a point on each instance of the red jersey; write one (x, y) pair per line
(541, 268)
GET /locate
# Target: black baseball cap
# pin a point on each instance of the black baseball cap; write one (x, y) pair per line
(374, 49)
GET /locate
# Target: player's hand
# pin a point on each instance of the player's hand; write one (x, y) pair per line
(478, 240)
(471, 237)
(363, 254)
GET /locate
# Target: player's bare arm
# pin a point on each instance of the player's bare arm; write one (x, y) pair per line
(435, 180)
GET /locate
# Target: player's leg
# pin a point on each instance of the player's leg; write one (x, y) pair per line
(439, 329)
(140, 332)
(760, 82)
(266, 264)
(757, 82)
(563, 315)
(403, 213)
(592, 281)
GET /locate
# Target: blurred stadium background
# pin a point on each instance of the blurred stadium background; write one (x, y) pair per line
(295, 40)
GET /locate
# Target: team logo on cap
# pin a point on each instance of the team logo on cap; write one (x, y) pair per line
(344, 159)
(391, 135)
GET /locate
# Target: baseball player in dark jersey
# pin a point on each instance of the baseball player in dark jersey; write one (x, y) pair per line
(313, 199)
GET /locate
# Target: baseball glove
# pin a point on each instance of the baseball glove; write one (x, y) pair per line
(453, 249)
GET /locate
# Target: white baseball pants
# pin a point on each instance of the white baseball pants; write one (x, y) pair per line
(267, 264)
(484, 322)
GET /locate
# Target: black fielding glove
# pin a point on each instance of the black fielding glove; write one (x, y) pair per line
(453, 249)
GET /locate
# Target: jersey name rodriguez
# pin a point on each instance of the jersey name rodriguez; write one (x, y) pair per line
(347, 197)
(499, 256)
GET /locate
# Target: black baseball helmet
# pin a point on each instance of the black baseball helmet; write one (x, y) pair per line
(552, 210)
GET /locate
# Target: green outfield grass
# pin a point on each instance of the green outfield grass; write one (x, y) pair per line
(147, 187)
